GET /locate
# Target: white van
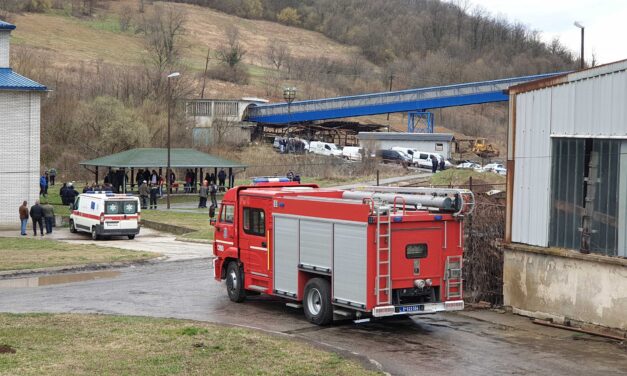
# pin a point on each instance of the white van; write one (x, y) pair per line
(352, 153)
(324, 148)
(106, 214)
(423, 160)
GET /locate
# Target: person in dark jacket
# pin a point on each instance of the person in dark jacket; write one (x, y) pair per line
(154, 192)
(221, 178)
(434, 164)
(213, 191)
(37, 215)
(62, 193)
(442, 164)
(24, 217)
(70, 194)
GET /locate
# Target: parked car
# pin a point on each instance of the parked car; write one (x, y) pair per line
(298, 144)
(500, 170)
(352, 153)
(490, 167)
(469, 166)
(423, 160)
(394, 156)
(324, 148)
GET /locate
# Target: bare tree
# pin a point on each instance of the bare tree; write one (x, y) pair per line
(278, 53)
(163, 30)
(231, 53)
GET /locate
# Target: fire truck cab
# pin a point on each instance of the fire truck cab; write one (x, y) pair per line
(369, 252)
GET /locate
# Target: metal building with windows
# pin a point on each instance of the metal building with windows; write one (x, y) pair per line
(567, 197)
(20, 100)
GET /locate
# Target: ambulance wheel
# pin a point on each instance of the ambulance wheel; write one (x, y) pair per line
(317, 302)
(72, 227)
(94, 234)
(235, 283)
(131, 237)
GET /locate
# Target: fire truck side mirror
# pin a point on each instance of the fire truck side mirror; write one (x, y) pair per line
(212, 221)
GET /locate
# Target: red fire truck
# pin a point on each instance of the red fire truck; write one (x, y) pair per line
(352, 254)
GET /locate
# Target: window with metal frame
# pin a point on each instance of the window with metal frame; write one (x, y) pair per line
(227, 213)
(585, 195)
(254, 221)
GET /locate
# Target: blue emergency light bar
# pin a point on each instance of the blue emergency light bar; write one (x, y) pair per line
(270, 179)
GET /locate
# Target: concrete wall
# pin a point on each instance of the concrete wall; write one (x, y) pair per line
(19, 153)
(561, 284)
(230, 133)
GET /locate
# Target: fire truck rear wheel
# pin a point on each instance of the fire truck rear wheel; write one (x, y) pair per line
(317, 301)
(235, 283)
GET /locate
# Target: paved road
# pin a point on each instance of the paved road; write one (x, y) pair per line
(473, 343)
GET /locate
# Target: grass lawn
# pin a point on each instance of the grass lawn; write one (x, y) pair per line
(198, 222)
(117, 345)
(456, 177)
(28, 253)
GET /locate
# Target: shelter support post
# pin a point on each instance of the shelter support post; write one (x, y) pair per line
(96, 174)
(132, 178)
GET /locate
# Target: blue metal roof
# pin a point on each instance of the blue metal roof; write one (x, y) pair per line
(10, 80)
(6, 26)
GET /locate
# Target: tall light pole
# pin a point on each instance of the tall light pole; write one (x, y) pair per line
(168, 169)
(580, 25)
(289, 94)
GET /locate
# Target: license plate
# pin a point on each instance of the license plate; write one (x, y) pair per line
(412, 308)
(113, 224)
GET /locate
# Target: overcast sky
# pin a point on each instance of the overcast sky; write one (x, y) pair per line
(605, 23)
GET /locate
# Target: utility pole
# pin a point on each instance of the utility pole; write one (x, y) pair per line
(168, 171)
(580, 25)
(204, 76)
(391, 80)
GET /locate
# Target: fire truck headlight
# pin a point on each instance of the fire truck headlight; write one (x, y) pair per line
(429, 282)
(420, 283)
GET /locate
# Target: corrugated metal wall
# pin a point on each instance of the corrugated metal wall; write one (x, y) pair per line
(530, 223)
(592, 108)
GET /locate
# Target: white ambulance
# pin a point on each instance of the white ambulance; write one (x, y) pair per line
(106, 214)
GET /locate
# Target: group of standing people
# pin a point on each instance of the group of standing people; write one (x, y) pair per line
(39, 214)
(147, 190)
(45, 180)
(208, 189)
(435, 164)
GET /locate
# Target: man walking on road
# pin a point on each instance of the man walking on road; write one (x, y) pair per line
(43, 185)
(154, 191)
(434, 164)
(48, 212)
(52, 175)
(24, 217)
(37, 214)
(213, 190)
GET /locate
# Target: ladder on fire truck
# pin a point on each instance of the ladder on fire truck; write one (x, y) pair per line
(383, 283)
(453, 277)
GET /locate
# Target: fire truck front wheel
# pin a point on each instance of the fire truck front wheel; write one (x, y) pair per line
(317, 301)
(235, 283)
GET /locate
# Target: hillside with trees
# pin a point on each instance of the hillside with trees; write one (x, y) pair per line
(105, 61)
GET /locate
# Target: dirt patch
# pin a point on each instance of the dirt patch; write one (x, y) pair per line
(6, 349)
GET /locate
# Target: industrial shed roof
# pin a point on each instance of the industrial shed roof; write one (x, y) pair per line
(10, 80)
(158, 157)
(401, 136)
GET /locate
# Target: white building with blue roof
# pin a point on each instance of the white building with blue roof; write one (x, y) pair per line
(20, 104)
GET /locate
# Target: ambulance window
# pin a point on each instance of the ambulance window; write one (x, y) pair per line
(227, 214)
(130, 207)
(254, 221)
(415, 251)
(112, 207)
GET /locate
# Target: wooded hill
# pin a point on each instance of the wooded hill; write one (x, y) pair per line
(106, 60)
